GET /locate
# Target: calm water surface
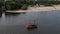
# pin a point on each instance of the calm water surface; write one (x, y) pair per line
(47, 22)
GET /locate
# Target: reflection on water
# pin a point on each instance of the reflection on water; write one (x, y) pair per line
(13, 14)
(10, 13)
(47, 22)
(0, 14)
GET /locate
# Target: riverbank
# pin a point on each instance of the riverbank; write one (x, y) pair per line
(38, 9)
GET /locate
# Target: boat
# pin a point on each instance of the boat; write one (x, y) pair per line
(31, 26)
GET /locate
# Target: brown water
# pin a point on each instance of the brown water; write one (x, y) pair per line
(47, 22)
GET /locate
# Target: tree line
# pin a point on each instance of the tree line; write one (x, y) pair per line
(18, 4)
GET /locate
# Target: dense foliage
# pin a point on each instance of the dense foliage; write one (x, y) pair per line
(21, 4)
(1, 4)
(14, 5)
(24, 7)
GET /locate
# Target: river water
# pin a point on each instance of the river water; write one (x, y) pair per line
(48, 22)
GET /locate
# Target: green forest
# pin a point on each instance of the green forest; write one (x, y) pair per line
(23, 4)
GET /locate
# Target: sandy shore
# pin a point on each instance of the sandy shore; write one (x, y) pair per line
(38, 9)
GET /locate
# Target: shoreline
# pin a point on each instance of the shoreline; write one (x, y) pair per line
(39, 9)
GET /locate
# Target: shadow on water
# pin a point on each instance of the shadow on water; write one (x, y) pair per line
(0, 15)
(13, 14)
(1, 11)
